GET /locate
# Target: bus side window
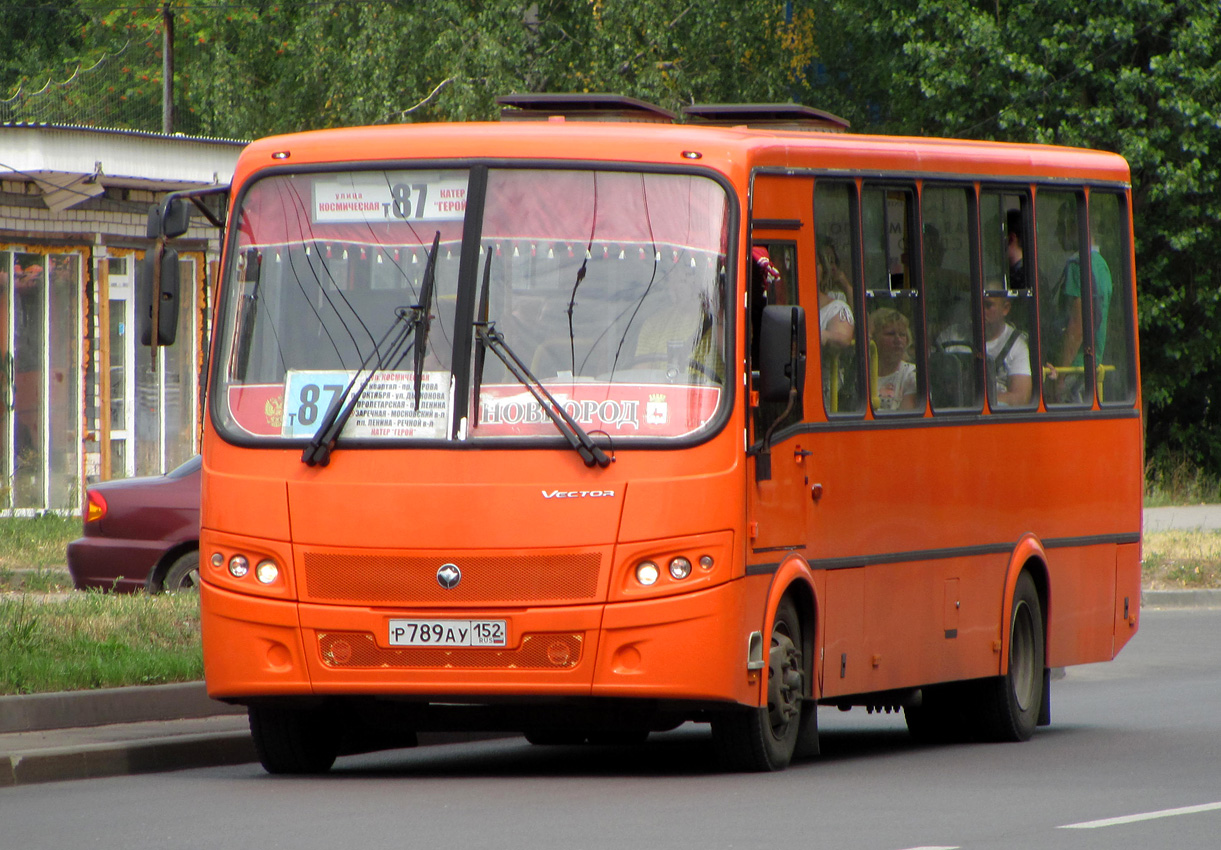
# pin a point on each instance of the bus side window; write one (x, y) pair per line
(1070, 343)
(953, 321)
(835, 240)
(1108, 230)
(893, 322)
(1008, 308)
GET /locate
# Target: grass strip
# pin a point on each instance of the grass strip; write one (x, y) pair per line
(29, 543)
(77, 640)
(1181, 560)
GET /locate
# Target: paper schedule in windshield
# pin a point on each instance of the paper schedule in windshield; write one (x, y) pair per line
(386, 408)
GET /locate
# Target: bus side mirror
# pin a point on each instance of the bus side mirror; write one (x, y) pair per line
(157, 288)
(170, 219)
(782, 352)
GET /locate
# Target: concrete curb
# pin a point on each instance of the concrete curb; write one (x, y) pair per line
(124, 758)
(122, 731)
(1205, 598)
(79, 709)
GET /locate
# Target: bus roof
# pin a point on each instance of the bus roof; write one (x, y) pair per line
(734, 151)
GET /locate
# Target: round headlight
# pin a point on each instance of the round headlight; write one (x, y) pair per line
(238, 566)
(267, 572)
(680, 567)
(218, 560)
(706, 562)
(647, 573)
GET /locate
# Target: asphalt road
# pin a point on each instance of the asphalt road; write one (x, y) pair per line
(1131, 760)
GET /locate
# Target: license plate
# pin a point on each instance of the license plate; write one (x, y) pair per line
(448, 633)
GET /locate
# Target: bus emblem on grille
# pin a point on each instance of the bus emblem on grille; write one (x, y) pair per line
(448, 576)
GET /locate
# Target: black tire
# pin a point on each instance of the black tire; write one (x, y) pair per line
(765, 738)
(1010, 704)
(293, 741)
(183, 574)
(807, 738)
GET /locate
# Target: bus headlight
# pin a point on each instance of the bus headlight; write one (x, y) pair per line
(647, 573)
(267, 572)
(680, 567)
(238, 566)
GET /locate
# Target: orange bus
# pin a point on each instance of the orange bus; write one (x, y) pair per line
(529, 426)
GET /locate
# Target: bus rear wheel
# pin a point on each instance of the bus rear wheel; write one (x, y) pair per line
(293, 741)
(765, 738)
(1011, 703)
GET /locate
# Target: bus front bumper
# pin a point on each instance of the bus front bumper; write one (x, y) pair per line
(687, 647)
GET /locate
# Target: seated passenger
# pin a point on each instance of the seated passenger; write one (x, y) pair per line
(1008, 355)
(896, 382)
(835, 321)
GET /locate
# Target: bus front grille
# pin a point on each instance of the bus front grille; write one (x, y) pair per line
(348, 650)
(412, 579)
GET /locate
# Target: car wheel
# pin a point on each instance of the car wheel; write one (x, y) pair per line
(183, 574)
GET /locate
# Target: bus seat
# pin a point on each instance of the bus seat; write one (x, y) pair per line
(950, 372)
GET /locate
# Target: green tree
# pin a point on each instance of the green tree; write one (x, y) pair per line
(255, 68)
(1139, 77)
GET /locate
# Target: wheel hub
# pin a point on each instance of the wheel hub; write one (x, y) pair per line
(784, 683)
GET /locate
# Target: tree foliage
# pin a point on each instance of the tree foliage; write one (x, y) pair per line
(257, 68)
(1139, 77)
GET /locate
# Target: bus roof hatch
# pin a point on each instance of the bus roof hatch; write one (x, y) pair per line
(581, 107)
(774, 116)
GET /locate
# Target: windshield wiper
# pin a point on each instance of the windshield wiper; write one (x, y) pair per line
(417, 322)
(422, 321)
(490, 338)
(318, 452)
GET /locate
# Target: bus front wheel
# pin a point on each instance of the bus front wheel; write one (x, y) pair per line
(293, 741)
(765, 738)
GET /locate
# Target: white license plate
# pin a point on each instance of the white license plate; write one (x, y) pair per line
(448, 633)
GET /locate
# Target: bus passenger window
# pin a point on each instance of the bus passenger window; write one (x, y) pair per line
(1108, 228)
(1009, 312)
(834, 231)
(1071, 346)
(953, 323)
(893, 316)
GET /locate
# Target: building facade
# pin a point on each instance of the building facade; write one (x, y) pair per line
(80, 399)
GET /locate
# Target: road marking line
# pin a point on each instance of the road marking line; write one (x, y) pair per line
(931, 847)
(1164, 813)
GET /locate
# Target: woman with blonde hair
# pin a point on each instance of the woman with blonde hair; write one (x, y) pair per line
(896, 376)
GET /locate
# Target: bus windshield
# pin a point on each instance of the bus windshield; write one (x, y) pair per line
(349, 289)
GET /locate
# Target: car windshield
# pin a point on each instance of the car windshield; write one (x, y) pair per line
(371, 290)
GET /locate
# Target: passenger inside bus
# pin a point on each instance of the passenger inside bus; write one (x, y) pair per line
(836, 324)
(1007, 355)
(895, 387)
(1013, 249)
(1068, 316)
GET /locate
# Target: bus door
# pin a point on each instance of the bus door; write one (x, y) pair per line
(781, 249)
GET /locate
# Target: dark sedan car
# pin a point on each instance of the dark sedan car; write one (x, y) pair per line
(140, 533)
